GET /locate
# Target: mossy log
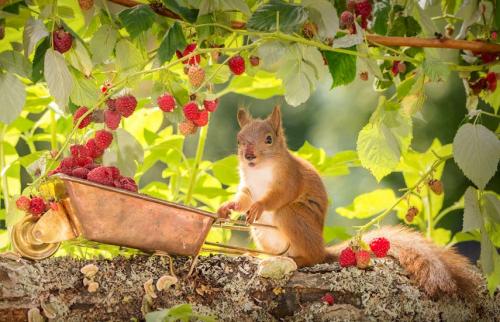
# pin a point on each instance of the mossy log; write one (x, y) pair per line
(227, 288)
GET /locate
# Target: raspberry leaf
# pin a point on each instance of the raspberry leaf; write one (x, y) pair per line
(291, 16)
(137, 19)
(84, 92)
(124, 153)
(34, 31)
(13, 94)
(324, 15)
(103, 43)
(14, 62)
(368, 204)
(472, 213)
(58, 77)
(174, 40)
(342, 67)
(128, 58)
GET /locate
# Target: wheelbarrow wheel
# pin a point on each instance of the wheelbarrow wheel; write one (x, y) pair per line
(26, 245)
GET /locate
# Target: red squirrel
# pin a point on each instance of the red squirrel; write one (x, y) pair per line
(283, 190)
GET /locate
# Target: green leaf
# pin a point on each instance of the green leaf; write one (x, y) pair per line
(85, 92)
(186, 13)
(103, 43)
(174, 40)
(342, 67)
(381, 17)
(441, 236)
(125, 152)
(491, 206)
(209, 6)
(80, 59)
(38, 60)
(472, 214)
(226, 170)
(291, 16)
(404, 27)
(488, 253)
(261, 86)
(128, 57)
(217, 73)
(324, 15)
(34, 31)
(335, 232)
(58, 77)
(435, 69)
(12, 61)
(476, 151)
(494, 277)
(368, 204)
(137, 19)
(384, 139)
(13, 96)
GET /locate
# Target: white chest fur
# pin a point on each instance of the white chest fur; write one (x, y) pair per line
(258, 180)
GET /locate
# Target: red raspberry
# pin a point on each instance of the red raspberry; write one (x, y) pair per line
(363, 259)
(80, 172)
(363, 9)
(191, 111)
(394, 68)
(62, 40)
(115, 172)
(78, 150)
(126, 183)
(82, 161)
(188, 50)
(37, 206)
(110, 103)
(196, 75)
(67, 163)
(166, 102)
(494, 35)
(328, 298)
(380, 246)
(347, 257)
(86, 4)
(491, 79)
(254, 61)
(346, 19)
(237, 65)
(478, 86)
(211, 106)
(94, 150)
(23, 203)
(92, 166)
(202, 120)
(187, 127)
(112, 119)
(126, 105)
(488, 57)
(78, 114)
(103, 139)
(102, 175)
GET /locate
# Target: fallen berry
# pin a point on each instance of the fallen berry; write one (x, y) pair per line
(23, 203)
(254, 61)
(126, 105)
(346, 19)
(211, 106)
(62, 40)
(93, 150)
(237, 65)
(103, 139)
(112, 119)
(347, 257)
(202, 119)
(191, 111)
(37, 206)
(80, 172)
(328, 298)
(436, 186)
(187, 127)
(166, 102)
(78, 114)
(86, 4)
(380, 246)
(196, 75)
(363, 259)
(309, 30)
(102, 175)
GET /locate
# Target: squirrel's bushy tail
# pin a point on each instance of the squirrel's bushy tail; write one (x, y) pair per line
(437, 270)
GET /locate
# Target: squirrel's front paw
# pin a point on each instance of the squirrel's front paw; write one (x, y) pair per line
(225, 210)
(255, 212)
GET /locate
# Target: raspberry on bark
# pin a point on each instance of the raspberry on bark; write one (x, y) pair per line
(347, 257)
(380, 246)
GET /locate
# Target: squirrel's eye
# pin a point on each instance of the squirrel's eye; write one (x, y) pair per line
(269, 139)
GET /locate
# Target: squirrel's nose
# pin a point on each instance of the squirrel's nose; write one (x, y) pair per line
(250, 156)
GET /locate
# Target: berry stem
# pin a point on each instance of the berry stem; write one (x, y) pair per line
(197, 159)
(385, 213)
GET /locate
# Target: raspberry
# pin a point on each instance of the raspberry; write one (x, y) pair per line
(363, 259)
(346, 19)
(78, 114)
(112, 119)
(411, 213)
(309, 30)
(102, 175)
(187, 127)
(126, 183)
(62, 40)
(394, 68)
(436, 186)
(363, 76)
(166, 102)
(86, 4)
(93, 149)
(191, 111)
(237, 65)
(54, 206)
(111, 104)
(488, 57)
(37, 206)
(347, 257)
(92, 166)
(328, 298)
(196, 75)
(103, 139)
(494, 35)
(351, 5)
(380, 246)
(363, 9)
(23, 203)
(254, 61)
(115, 172)
(80, 172)
(82, 161)
(202, 120)
(188, 50)
(126, 105)
(491, 79)
(78, 150)
(478, 86)
(67, 163)
(211, 106)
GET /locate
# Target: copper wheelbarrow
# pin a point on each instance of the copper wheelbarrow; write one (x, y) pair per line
(108, 215)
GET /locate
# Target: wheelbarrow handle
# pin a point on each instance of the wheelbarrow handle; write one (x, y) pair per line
(241, 223)
(241, 250)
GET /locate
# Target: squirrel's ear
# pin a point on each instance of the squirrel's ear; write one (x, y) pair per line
(243, 117)
(275, 118)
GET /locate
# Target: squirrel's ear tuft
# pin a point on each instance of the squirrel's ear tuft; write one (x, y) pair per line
(275, 119)
(243, 117)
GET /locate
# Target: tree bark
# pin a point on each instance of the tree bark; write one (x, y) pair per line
(227, 288)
